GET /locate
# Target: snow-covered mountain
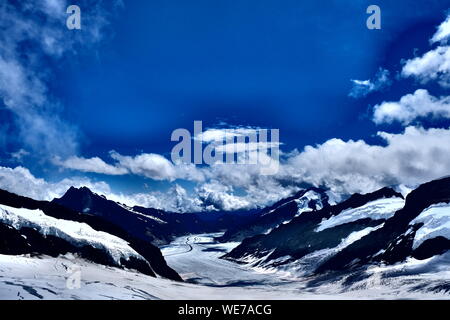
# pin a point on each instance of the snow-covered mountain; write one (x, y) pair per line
(147, 227)
(152, 225)
(312, 232)
(283, 211)
(25, 231)
(378, 244)
(47, 228)
(357, 235)
(418, 230)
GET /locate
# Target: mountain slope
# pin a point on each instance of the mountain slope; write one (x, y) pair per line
(148, 224)
(398, 238)
(145, 227)
(355, 238)
(11, 239)
(26, 231)
(281, 212)
(307, 234)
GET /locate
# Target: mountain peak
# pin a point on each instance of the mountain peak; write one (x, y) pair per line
(76, 192)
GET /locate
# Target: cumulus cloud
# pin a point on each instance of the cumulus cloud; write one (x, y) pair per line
(443, 32)
(433, 65)
(94, 164)
(210, 196)
(217, 196)
(409, 158)
(149, 165)
(412, 106)
(362, 88)
(176, 199)
(238, 140)
(21, 181)
(415, 156)
(157, 167)
(242, 147)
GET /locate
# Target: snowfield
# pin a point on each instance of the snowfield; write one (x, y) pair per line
(436, 222)
(302, 203)
(304, 266)
(22, 277)
(381, 209)
(76, 233)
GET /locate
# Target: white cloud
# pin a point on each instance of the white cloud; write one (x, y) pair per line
(241, 147)
(94, 164)
(412, 106)
(220, 197)
(433, 65)
(225, 134)
(21, 181)
(362, 88)
(415, 156)
(149, 165)
(443, 32)
(176, 199)
(157, 167)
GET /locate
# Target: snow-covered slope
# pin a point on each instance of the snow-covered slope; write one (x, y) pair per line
(68, 277)
(282, 212)
(79, 234)
(311, 200)
(380, 209)
(315, 235)
(144, 226)
(365, 232)
(416, 231)
(436, 223)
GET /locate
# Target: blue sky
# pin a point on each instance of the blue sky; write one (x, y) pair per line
(140, 69)
(276, 64)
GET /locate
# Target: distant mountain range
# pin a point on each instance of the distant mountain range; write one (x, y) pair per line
(278, 213)
(152, 225)
(142, 228)
(378, 228)
(303, 234)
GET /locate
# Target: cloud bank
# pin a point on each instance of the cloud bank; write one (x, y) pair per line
(412, 106)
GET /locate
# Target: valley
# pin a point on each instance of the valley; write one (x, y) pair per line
(196, 258)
